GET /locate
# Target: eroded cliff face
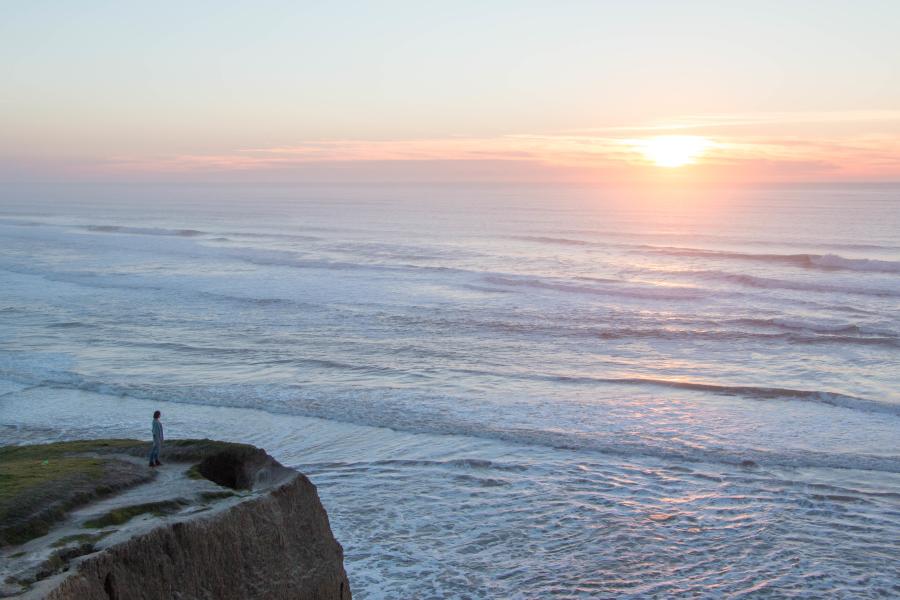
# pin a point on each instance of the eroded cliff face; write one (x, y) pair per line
(272, 543)
(277, 546)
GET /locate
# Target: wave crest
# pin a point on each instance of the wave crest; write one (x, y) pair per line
(144, 230)
(609, 287)
(826, 262)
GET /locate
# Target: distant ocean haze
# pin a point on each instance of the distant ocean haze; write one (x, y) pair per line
(586, 345)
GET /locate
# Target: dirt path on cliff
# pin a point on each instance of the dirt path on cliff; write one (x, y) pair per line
(173, 493)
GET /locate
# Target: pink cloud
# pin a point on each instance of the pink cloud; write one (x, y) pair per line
(766, 152)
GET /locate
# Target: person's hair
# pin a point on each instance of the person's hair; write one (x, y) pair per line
(156, 414)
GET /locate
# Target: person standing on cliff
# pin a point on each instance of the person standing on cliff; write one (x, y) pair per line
(157, 440)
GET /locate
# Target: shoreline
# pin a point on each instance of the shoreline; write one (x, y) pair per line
(212, 421)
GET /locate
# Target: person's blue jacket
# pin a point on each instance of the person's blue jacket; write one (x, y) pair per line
(157, 432)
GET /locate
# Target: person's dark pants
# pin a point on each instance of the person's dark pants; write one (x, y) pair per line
(154, 453)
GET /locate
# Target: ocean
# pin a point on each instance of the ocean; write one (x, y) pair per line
(501, 391)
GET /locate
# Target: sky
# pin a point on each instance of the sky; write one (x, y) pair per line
(790, 90)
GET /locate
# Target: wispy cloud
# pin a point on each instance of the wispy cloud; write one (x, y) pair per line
(866, 145)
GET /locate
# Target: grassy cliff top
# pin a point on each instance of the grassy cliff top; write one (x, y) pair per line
(40, 484)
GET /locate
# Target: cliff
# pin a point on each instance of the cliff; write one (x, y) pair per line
(235, 525)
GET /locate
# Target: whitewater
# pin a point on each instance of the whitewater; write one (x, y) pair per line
(501, 391)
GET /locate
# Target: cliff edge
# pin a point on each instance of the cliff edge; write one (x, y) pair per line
(223, 521)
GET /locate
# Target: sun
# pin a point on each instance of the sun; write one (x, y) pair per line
(672, 151)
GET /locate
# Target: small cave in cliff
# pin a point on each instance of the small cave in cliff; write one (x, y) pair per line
(230, 468)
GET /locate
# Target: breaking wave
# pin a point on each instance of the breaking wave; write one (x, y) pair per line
(772, 283)
(753, 392)
(550, 240)
(145, 230)
(610, 287)
(828, 262)
(375, 414)
(818, 326)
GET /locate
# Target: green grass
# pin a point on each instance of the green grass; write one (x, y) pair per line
(118, 516)
(213, 496)
(17, 476)
(40, 483)
(81, 538)
(57, 449)
(24, 467)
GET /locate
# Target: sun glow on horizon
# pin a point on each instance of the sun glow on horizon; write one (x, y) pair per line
(671, 151)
